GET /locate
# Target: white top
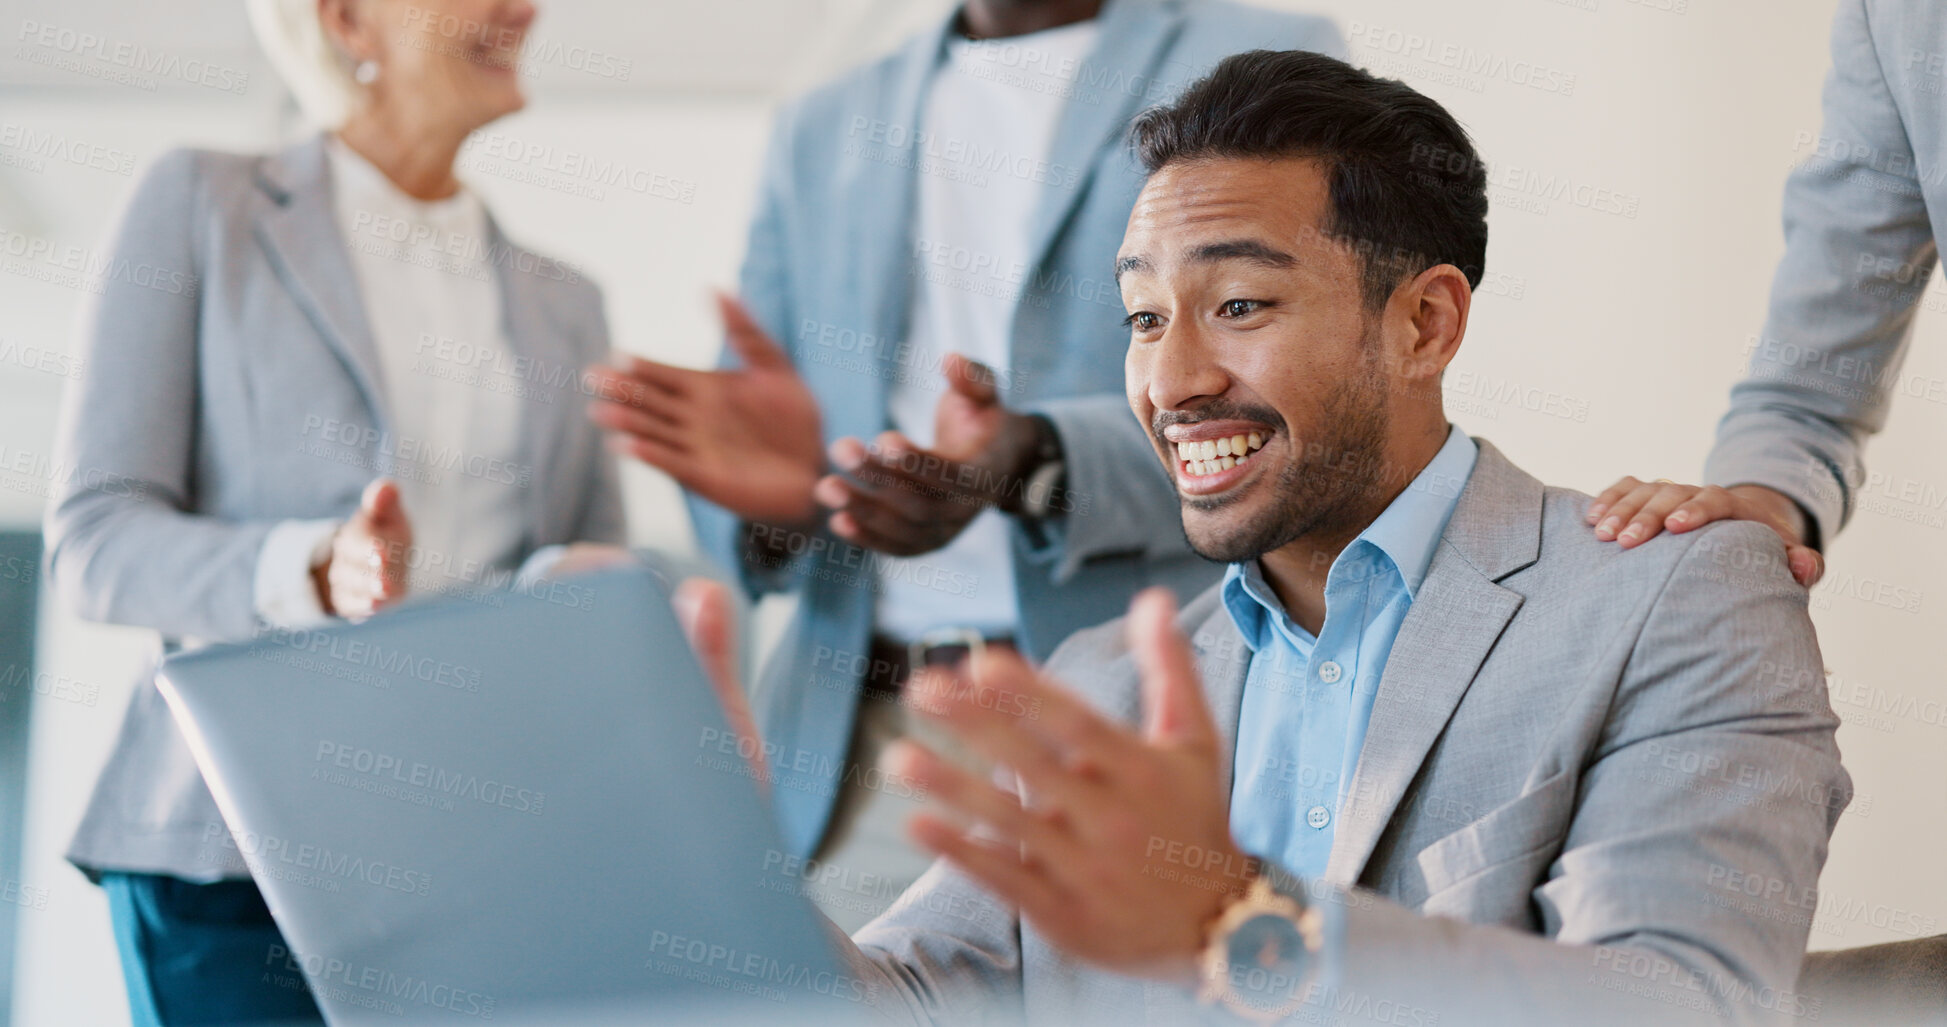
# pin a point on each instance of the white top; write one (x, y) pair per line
(988, 126)
(429, 291)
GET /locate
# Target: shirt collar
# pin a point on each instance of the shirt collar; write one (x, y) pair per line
(1409, 529)
(1253, 607)
(1407, 532)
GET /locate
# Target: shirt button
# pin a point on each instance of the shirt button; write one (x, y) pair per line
(1318, 817)
(1329, 672)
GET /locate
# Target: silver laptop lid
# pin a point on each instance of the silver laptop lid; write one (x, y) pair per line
(505, 808)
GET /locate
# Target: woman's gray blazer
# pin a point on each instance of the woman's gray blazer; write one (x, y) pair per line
(233, 384)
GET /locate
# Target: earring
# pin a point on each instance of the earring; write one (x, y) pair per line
(366, 73)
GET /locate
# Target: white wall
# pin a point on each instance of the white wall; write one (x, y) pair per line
(1635, 324)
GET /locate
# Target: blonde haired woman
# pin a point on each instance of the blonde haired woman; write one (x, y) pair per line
(351, 386)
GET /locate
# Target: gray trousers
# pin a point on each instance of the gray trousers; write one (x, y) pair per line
(866, 860)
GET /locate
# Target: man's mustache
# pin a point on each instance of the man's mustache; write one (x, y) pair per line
(1215, 410)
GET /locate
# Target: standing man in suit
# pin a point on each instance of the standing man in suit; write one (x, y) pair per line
(929, 270)
(1406, 761)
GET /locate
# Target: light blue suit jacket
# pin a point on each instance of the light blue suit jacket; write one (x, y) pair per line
(830, 273)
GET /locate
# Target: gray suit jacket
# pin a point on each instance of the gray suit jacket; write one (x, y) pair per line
(227, 339)
(830, 272)
(1597, 788)
(1864, 214)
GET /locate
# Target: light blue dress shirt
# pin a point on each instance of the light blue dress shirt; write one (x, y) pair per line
(1307, 700)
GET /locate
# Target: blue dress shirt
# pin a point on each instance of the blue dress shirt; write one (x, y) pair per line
(1307, 700)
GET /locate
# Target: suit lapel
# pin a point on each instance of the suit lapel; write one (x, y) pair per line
(879, 220)
(1223, 662)
(532, 332)
(1449, 631)
(1109, 90)
(1455, 622)
(299, 232)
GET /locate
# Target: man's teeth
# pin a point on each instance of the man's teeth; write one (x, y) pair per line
(1213, 455)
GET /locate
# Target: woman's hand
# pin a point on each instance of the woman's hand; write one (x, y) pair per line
(1632, 512)
(366, 570)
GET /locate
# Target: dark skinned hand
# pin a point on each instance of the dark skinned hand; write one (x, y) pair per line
(898, 498)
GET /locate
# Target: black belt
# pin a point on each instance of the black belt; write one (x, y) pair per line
(891, 661)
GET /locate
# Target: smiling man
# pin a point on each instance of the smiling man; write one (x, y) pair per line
(1407, 761)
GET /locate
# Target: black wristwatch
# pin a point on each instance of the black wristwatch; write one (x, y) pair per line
(1043, 475)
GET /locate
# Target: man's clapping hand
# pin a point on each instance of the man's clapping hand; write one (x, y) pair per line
(746, 438)
(898, 498)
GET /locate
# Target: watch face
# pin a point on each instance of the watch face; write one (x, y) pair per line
(1267, 960)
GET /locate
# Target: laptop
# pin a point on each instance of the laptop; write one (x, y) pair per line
(518, 807)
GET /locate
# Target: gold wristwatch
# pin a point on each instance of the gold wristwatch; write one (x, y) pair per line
(1260, 953)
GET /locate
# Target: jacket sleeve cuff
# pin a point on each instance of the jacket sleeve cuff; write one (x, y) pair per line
(1801, 475)
(285, 595)
(1116, 498)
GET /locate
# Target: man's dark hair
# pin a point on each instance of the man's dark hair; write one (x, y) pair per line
(1408, 191)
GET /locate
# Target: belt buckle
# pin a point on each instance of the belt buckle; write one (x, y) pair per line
(918, 649)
